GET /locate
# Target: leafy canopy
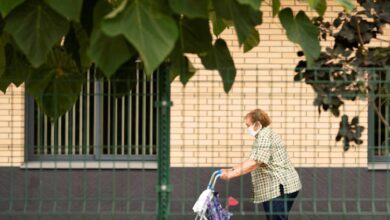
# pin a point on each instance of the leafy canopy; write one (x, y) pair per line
(50, 44)
(351, 69)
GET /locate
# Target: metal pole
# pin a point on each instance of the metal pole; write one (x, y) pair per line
(164, 104)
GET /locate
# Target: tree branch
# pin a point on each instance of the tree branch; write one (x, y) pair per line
(360, 36)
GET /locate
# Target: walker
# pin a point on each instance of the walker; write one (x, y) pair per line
(208, 207)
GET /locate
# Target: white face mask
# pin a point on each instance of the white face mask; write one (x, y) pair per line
(251, 130)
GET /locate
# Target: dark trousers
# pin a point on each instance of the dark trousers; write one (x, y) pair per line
(278, 208)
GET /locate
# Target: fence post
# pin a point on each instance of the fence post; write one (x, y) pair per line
(164, 117)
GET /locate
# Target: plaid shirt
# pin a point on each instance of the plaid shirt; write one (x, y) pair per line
(276, 169)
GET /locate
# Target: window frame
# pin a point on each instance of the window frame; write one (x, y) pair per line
(29, 155)
(371, 146)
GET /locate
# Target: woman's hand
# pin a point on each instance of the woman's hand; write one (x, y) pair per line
(225, 174)
(240, 170)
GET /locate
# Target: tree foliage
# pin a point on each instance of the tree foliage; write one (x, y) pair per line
(50, 44)
(350, 69)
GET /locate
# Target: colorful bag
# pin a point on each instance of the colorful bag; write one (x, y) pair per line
(215, 210)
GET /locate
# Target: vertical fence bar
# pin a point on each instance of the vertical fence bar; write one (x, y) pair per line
(87, 112)
(371, 122)
(386, 145)
(115, 130)
(52, 138)
(45, 127)
(151, 92)
(67, 133)
(97, 120)
(108, 147)
(59, 135)
(130, 125)
(73, 127)
(40, 149)
(164, 107)
(378, 148)
(144, 111)
(80, 123)
(136, 144)
(387, 72)
(70, 132)
(123, 126)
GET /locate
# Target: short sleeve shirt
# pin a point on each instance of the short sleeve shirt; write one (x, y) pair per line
(276, 168)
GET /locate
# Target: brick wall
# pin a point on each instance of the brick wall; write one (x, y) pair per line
(207, 125)
(12, 127)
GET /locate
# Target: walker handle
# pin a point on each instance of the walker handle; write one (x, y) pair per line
(214, 178)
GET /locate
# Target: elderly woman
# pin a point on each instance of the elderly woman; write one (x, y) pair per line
(275, 181)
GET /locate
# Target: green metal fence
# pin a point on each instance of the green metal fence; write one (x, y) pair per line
(149, 154)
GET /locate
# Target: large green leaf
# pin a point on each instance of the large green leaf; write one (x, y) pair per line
(218, 24)
(275, 7)
(101, 45)
(244, 18)
(8, 5)
(117, 47)
(4, 81)
(347, 4)
(301, 31)
(190, 8)
(180, 65)
(125, 78)
(318, 5)
(195, 35)
(35, 28)
(2, 24)
(3, 42)
(189, 70)
(17, 68)
(150, 31)
(56, 85)
(70, 8)
(87, 15)
(255, 4)
(76, 44)
(219, 58)
(252, 40)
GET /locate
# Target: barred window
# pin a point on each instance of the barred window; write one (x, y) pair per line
(379, 117)
(100, 126)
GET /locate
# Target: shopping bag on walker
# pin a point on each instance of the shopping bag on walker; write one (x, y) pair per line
(215, 210)
(208, 206)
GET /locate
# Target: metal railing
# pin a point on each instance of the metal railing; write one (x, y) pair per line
(101, 125)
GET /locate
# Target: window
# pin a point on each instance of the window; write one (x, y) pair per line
(379, 117)
(101, 125)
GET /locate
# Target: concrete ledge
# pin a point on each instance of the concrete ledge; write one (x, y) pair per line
(90, 165)
(378, 166)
